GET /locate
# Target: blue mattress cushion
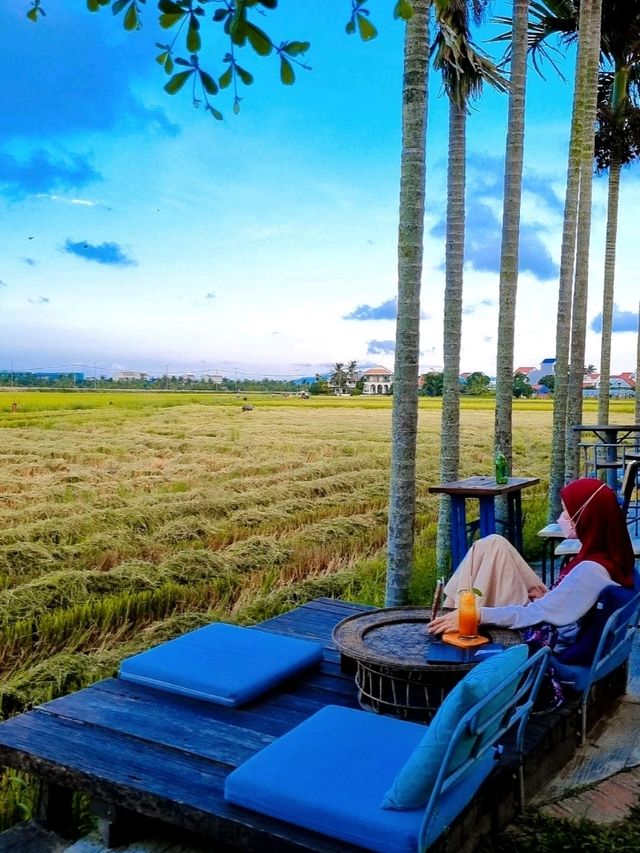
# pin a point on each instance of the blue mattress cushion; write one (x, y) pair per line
(330, 773)
(413, 785)
(221, 663)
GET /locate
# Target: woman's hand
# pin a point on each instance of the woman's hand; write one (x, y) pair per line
(537, 591)
(446, 622)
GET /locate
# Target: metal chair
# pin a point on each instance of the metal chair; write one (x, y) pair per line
(613, 649)
(629, 485)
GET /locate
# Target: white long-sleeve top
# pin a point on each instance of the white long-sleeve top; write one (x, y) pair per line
(563, 605)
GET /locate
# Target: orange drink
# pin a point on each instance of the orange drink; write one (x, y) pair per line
(467, 614)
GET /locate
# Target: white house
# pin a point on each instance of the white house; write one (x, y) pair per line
(130, 375)
(377, 380)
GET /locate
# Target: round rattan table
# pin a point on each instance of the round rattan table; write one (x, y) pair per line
(397, 667)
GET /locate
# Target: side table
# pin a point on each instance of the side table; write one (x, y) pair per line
(485, 490)
(402, 670)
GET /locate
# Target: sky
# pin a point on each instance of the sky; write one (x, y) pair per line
(141, 234)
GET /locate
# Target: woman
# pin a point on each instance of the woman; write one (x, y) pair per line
(513, 596)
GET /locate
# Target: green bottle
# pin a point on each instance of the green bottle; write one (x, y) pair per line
(502, 470)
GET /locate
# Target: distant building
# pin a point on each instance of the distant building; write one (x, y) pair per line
(130, 376)
(620, 386)
(377, 380)
(77, 377)
(547, 368)
(213, 378)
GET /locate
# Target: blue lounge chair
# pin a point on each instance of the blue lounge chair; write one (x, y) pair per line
(606, 642)
(383, 783)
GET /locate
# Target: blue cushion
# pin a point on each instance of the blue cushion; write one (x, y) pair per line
(221, 663)
(413, 784)
(330, 773)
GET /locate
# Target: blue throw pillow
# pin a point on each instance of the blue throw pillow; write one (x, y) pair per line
(412, 786)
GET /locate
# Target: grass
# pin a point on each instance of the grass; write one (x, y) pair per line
(127, 518)
(536, 833)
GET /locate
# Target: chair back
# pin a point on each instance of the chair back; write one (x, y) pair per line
(617, 638)
(628, 484)
(503, 709)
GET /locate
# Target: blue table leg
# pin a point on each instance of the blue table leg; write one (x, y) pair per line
(487, 515)
(514, 514)
(458, 531)
(612, 456)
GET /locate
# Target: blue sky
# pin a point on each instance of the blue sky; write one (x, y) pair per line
(139, 233)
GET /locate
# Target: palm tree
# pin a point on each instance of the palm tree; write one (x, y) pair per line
(338, 376)
(463, 70)
(589, 29)
(511, 231)
(617, 144)
(404, 428)
(638, 371)
(564, 18)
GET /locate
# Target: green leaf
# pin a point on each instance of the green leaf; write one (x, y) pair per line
(295, 48)
(118, 6)
(131, 20)
(162, 58)
(167, 21)
(259, 40)
(366, 28)
(404, 10)
(225, 79)
(244, 75)
(32, 14)
(238, 26)
(350, 27)
(214, 112)
(168, 66)
(208, 83)
(194, 42)
(177, 82)
(220, 14)
(169, 7)
(287, 75)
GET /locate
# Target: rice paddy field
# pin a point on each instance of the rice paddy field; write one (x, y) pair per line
(130, 517)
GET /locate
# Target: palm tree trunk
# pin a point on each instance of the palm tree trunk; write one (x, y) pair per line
(511, 231)
(402, 494)
(454, 265)
(581, 284)
(638, 371)
(608, 289)
(567, 268)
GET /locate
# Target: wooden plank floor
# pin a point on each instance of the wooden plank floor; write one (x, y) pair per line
(167, 756)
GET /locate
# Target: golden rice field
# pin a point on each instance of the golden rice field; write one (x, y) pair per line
(129, 517)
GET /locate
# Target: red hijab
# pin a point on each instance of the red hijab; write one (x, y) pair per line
(600, 527)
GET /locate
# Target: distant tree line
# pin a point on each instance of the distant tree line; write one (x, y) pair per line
(170, 383)
(476, 384)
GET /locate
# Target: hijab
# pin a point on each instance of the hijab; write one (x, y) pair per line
(600, 527)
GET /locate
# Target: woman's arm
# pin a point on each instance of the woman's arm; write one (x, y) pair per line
(564, 604)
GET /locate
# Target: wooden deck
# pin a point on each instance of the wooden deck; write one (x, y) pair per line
(146, 753)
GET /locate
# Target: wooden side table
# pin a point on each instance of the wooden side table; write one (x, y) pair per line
(402, 670)
(485, 490)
